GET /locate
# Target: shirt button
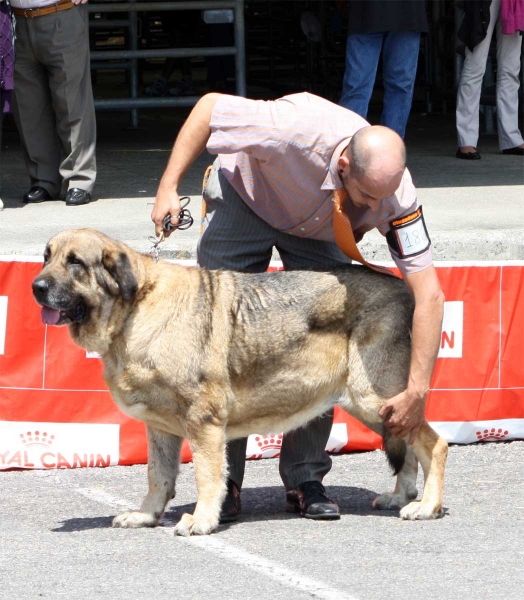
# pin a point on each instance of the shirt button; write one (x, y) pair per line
(302, 229)
(317, 218)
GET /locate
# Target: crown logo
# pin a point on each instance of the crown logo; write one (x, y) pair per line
(36, 438)
(269, 442)
(488, 434)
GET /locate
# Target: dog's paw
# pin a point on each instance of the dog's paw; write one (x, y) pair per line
(191, 525)
(420, 511)
(134, 519)
(390, 501)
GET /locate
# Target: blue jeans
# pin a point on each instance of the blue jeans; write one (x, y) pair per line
(399, 68)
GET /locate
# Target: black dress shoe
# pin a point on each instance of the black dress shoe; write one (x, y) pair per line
(468, 155)
(310, 500)
(231, 506)
(36, 194)
(518, 151)
(76, 197)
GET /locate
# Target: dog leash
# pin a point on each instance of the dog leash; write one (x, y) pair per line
(344, 234)
(185, 220)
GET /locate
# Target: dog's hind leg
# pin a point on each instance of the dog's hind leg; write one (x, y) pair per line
(162, 471)
(405, 488)
(431, 451)
(208, 445)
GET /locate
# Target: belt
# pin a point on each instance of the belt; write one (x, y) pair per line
(31, 13)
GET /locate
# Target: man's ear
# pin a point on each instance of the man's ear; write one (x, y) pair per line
(118, 265)
(343, 164)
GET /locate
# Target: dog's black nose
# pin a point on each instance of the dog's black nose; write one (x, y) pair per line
(40, 287)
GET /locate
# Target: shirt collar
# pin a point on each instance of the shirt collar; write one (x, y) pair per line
(332, 180)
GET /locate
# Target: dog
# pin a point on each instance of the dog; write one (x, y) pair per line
(215, 355)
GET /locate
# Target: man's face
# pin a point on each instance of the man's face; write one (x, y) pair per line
(371, 189)
(363, 193)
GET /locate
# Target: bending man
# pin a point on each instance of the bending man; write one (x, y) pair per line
(271, 186)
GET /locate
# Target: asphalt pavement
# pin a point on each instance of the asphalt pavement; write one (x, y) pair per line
(56, 539)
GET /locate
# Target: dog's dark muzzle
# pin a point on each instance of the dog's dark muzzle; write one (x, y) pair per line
(58, 307)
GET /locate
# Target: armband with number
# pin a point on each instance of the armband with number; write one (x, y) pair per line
(408, 235)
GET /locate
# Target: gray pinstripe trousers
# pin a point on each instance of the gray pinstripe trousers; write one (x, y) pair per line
(235, 238)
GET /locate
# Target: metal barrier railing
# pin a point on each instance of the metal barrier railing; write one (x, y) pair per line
(128, 59)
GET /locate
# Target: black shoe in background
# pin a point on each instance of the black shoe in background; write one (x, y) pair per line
(231, 506)
(517, 151)
(36, 194)
(310, 500)
(77, 197)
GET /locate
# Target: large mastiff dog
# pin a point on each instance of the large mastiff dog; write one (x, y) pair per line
(216, 355)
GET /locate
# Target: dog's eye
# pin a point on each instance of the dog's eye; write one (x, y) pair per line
(75, 261)
(47, 255)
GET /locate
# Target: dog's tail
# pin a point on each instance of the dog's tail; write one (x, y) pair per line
(395, 450)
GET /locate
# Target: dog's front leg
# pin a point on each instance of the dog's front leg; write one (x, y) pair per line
(162, 471)
(208, 446)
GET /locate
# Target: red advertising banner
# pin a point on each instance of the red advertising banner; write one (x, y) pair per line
(56, 412)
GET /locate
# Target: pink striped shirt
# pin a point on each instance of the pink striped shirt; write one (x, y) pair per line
(281, 157)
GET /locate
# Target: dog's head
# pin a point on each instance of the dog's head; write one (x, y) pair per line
(84, 274)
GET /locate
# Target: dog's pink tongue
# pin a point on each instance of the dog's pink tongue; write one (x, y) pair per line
(50, 316)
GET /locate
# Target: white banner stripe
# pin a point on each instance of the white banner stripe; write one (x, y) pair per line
(50, 445)
(469, 432)
(3, 322)
(277, 263)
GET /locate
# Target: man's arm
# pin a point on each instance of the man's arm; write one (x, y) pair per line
(404, 414)
(189, 144)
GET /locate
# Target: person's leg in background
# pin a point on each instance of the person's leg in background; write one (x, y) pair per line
(399, 69)
(67, 60)
(304, 461)
(509, 49)
(34, 115)
(362, 56)
(469, 89)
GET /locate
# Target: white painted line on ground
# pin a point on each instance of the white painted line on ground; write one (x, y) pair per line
(103, 498)
(269, 568)
(255, 562)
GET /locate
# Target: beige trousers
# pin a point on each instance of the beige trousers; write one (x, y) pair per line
(507, 86)
(53, 104)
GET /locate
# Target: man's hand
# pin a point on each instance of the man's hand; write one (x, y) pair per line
(403, 415)
(190, 143)
(167, 201)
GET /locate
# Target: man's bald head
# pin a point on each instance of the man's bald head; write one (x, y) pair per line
(372, 166)
(377, 151)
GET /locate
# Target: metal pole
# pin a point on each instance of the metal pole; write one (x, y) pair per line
(153, 6)
(161, 53)
(240, 45)
(133, 82)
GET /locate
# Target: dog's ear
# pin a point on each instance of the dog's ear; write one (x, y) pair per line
(118, 265)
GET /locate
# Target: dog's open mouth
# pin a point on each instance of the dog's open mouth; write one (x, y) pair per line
(51, 316)
(77, 313)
